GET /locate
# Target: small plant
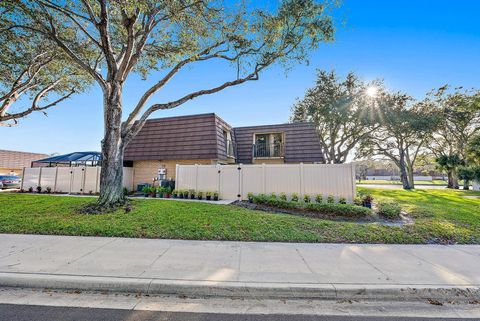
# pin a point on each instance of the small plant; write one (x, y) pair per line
(367, 200)
(167, 191)
(146, 190)
(358, 201)
(199, 195)
(30, 189)
(39, 189)
(185, 194)
(48, 189)
(294, 197)
(319, 198)
(153, 191)
(273, 196)
(306, 198)
(283, 196)
(192, 194)
(160, 191)
(389, 209)
(250, 197)
(174, 193)
(342, 200)
(215, 196)
(208, 196)
(330, 199)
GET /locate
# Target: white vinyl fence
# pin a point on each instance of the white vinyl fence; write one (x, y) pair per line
(236, 181)
(70, 179)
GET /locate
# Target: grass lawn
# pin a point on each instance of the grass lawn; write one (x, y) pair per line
(390, 182)
(441, 217)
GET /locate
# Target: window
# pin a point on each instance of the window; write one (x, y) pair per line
(268, 145)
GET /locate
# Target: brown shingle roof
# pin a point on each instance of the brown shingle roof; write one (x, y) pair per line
(201, 137)
(183, 137)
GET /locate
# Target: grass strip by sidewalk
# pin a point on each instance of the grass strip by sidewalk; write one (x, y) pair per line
(441, 217)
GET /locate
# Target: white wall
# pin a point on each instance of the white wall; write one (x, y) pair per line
(70, 179)
(476, 185)
(236, 181)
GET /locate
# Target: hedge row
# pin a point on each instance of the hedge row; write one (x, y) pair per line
(325, 209)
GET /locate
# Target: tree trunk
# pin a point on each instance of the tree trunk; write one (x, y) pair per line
(452, 179)
(466, 184)
(404, 175)
(411, 181)
(111, 178)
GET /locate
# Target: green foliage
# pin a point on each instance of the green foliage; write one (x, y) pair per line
(330, 199)
(340, 110)
(319, 198)
(343, 210)
(294, 197)
(306, 198)
(389, 209)
(342, 200)
(146, 189)
(283, 196)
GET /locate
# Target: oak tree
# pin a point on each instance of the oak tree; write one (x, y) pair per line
(111, 39)
(340, 110)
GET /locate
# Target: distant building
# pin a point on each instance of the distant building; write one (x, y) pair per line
(13, 162)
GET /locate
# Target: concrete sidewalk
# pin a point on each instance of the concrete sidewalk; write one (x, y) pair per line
(240, 269)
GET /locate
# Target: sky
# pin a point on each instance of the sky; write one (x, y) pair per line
(413, 45)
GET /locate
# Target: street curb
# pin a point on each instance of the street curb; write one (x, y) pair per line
(241, 289)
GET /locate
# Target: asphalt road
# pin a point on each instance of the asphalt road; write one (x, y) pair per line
(9, 312)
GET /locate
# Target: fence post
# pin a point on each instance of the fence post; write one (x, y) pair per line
(196, 177)
(302, 188)
(219, 171)
(264, 178)
(240, 185)
(84, 174)
(176, 175)
(55, 182)
(23, 178)
(354, 181)
(40, 177)
(96, 180)
(71, 180)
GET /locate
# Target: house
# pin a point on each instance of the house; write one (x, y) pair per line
(207, 139)
(13, 162)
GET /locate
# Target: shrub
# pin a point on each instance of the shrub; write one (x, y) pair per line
(314, 209)
(330, 199)
(342, 200)
(39, 189)
(283, 196)
(146, 189)
(389, 209)
(294, 197)
(273, 195)
(306, 198)
(345, 210)
(319, 198)
(358, 201)
(49, 189)
(30, 189)
(215, 196)
(199, 195)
